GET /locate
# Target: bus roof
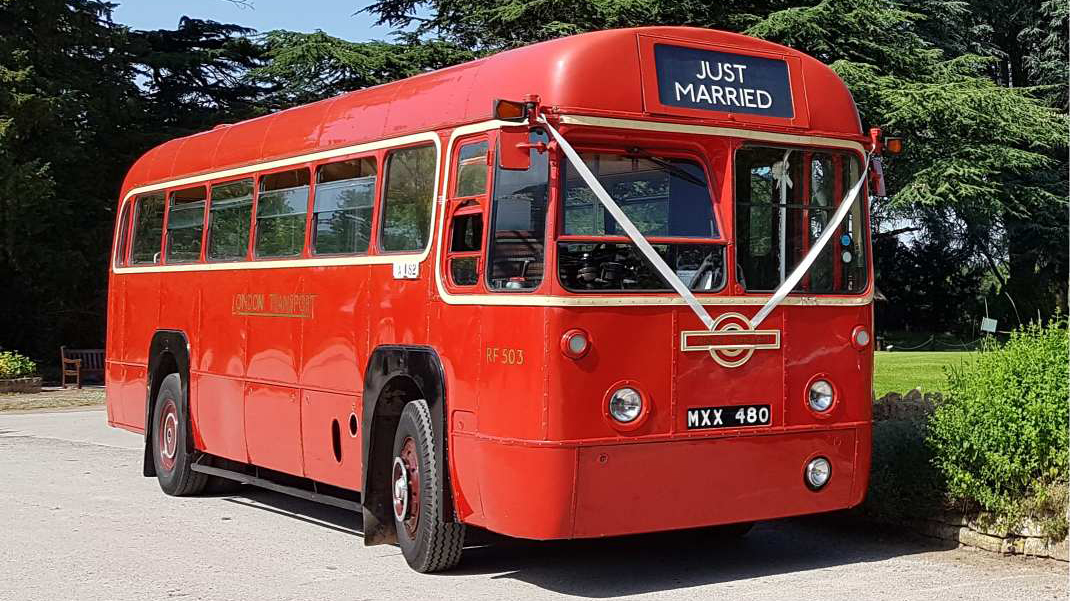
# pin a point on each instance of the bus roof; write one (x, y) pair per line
(604, 73)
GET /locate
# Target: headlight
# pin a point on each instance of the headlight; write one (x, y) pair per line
(818, 472)
(820, 396)
(625, 405)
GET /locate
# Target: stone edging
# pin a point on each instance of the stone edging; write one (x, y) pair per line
(21, 385)
(1027, 540)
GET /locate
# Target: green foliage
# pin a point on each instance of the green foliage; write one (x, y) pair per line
(1001, 438)
(14, 365)
(304, 67)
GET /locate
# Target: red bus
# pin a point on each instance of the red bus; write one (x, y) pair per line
(613, 283)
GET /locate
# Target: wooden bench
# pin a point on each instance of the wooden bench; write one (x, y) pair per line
(76, 362)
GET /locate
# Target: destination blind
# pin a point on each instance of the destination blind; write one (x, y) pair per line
(722, 81)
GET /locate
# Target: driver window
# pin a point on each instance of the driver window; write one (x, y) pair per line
(518, 223)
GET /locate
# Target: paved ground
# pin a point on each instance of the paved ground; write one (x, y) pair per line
(79, 522)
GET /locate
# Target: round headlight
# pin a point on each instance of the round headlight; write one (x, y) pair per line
(625, 405)
(818, 472)
(820, 396)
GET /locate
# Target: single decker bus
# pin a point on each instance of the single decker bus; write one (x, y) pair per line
(609, 284)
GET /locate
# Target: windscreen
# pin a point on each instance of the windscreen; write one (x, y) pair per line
(784, 198)
(665, 197)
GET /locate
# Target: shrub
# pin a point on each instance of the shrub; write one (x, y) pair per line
(1000, 438)
(903, 481)
(14, 365)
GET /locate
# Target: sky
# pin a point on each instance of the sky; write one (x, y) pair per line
(332, 16)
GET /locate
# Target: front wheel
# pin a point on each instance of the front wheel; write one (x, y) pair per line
(428, 542)
(168, 439)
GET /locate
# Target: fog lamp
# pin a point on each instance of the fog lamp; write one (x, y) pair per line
(575, 343)
(625, 405)
(820, 396)
(860, 338)
(818, 472)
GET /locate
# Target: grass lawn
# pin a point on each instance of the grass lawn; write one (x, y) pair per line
(905, 371)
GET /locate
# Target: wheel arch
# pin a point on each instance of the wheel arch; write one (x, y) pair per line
(394, 376)
(168, 353)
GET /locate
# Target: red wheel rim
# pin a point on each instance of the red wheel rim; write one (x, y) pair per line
(167, 435)
(405, 485)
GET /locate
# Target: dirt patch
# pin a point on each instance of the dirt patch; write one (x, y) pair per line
(53, 398)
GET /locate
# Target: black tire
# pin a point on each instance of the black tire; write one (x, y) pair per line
(170, 423)
(429, 543)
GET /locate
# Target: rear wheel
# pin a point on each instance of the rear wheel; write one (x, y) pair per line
(169, 455)
(428, 542)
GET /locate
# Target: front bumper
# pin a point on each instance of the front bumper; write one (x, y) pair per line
(548, 491)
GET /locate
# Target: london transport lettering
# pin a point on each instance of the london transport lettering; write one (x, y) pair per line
(721, 81)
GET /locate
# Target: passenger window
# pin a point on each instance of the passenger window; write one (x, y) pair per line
(518, 231)
(185, 224)
(123, 225)
(148, 229)
(280, 213)
(342, 210)
(472, 170)
(230, 215)
(410, 190)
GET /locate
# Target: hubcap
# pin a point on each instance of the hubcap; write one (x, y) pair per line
(405, 486)
(167, 437)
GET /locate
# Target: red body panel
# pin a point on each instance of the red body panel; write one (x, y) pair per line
(532, 451)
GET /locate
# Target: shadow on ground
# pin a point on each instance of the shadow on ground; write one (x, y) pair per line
(646, 563)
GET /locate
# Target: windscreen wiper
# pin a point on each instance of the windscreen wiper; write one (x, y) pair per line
(666, 165)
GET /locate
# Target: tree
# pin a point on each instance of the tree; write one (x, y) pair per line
(305, 67)
(65, 122)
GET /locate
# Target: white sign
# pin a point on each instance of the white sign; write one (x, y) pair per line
(988, 325)
(408, 270)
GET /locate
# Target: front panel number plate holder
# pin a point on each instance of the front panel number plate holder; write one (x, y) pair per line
(728, 416)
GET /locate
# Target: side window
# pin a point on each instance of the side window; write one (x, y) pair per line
(410, 183)
(185, 224)
(123, 226)
(280, 213)
(518, 224)
(230, 215)
(148, 229)
(342, 210)
(466, 242)
(472, 170)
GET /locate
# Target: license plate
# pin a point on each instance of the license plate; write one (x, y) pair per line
(728, 416)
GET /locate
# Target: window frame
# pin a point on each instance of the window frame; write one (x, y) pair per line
(138, 200)
(373, 234)
(806, 187)
(122, 241)
(461, 206)
(379, 226)
(697, 157)
(253, 227)
(212, 184)
(170, 192)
